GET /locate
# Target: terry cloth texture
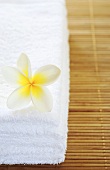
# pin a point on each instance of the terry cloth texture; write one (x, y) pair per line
(39, 29)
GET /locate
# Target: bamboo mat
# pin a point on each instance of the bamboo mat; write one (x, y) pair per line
(89, 112)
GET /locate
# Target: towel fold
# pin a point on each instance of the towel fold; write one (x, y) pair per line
(39, 29)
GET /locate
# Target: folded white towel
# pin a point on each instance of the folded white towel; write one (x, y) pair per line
(38, 28)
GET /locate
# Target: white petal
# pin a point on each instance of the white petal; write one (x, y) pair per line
(24, 65)
(46, 75)
(41, 98)
(13, 76)
(19, 98)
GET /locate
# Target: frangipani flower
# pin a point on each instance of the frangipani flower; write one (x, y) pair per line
(30, 87)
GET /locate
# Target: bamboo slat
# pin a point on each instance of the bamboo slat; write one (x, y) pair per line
(89, 112)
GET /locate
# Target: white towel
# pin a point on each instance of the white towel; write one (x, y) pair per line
(39, 29)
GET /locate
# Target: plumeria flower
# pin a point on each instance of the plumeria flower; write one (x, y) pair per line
(30, 87)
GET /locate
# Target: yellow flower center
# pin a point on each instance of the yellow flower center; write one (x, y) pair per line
(31, 83)
(37, 79)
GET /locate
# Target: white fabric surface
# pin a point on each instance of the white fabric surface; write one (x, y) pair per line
(39, 29)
